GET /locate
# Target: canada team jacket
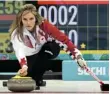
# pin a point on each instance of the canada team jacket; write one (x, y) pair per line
(45, 32)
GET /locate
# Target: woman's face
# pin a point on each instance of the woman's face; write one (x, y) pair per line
(28, 20)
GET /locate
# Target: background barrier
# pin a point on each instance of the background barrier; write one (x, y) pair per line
(71, 71)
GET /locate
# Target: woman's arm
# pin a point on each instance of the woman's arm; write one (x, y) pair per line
(58, 35)
(19, 51)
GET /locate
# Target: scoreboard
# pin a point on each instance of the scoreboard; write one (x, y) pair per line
(84, 22)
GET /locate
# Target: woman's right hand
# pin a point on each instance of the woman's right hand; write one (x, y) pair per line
(23, 71)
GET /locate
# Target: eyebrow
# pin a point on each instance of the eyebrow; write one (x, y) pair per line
(31, 18)
(26, 18)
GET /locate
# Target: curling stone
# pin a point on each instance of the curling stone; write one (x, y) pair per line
(21, 84)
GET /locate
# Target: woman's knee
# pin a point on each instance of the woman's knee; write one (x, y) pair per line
(52, 48)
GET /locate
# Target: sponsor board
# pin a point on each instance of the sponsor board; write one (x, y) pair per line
(71, 71)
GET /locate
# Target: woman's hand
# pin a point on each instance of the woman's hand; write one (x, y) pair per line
(81, 62)
(23, 71)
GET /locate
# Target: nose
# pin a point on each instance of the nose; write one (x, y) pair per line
(28, 22)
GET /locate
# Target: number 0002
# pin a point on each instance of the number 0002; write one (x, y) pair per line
(52, 11)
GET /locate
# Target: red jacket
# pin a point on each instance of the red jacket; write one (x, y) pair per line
(58, 35)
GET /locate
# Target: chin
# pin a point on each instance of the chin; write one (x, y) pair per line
(29, 29)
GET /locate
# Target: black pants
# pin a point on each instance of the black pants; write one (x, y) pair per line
(38, 63)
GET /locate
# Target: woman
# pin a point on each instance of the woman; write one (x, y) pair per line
(34, 42)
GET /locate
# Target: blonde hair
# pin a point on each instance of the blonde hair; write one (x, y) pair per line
(17, 23)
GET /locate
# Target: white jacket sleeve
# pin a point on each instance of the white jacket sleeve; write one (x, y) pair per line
(18, 47)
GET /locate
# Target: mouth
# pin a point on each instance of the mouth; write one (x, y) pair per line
(28, 26)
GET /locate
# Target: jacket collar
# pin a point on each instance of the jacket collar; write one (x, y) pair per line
(26, 32)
